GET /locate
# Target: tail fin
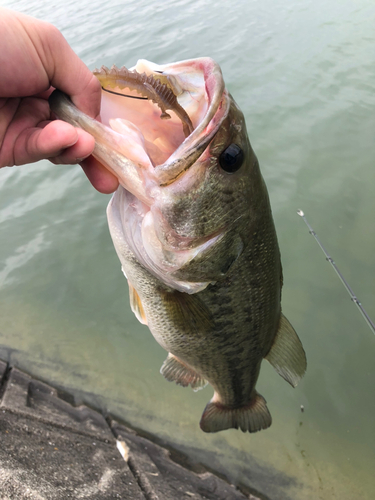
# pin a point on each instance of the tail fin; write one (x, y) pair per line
(252, 418)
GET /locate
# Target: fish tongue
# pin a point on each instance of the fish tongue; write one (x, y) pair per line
(133, 143)
(137, 148)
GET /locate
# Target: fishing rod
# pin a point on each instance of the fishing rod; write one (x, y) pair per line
(343, 280)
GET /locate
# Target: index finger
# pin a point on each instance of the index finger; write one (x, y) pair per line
(67, 72)
(37, 56)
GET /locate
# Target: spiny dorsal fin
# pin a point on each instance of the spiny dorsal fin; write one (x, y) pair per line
(287, 355)
(175, 370)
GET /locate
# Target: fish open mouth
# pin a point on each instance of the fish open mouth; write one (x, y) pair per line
(166, 114)
(138, 141)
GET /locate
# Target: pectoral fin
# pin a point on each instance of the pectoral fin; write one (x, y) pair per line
(136, 305)
(287, 355)
(188, 312)
(175, 370)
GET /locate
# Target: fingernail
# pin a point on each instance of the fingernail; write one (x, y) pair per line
(74, 141)
(79, 160)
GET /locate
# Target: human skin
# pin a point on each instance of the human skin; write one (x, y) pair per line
(35, 58)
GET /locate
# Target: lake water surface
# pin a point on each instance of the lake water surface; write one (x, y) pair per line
(303, 73)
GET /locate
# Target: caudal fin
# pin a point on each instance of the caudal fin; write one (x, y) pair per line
(252, 417)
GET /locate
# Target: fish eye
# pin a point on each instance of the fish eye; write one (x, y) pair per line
(231, 159)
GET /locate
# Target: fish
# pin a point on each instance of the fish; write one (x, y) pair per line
(192, 225)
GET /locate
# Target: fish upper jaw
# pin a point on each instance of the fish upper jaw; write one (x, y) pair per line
(217, 109)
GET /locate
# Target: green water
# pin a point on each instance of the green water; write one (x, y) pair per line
(303, 73)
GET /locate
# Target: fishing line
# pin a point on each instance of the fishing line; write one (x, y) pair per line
(124, 95)
(343, 280)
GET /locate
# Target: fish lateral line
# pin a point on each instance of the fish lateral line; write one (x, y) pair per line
(149, 88)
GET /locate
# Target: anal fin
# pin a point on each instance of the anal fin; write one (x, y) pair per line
(175, 371)
(287, 355)
(252, 417)
(136, 305)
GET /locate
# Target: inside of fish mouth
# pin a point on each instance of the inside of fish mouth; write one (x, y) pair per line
(158, 137)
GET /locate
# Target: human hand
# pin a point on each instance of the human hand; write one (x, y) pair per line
(36, 58)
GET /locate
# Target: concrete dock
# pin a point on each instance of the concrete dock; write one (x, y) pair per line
(53, 450)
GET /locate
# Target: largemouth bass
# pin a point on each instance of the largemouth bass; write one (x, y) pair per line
(192, 225)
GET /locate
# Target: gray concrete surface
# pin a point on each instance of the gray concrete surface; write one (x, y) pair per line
(52, 450)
